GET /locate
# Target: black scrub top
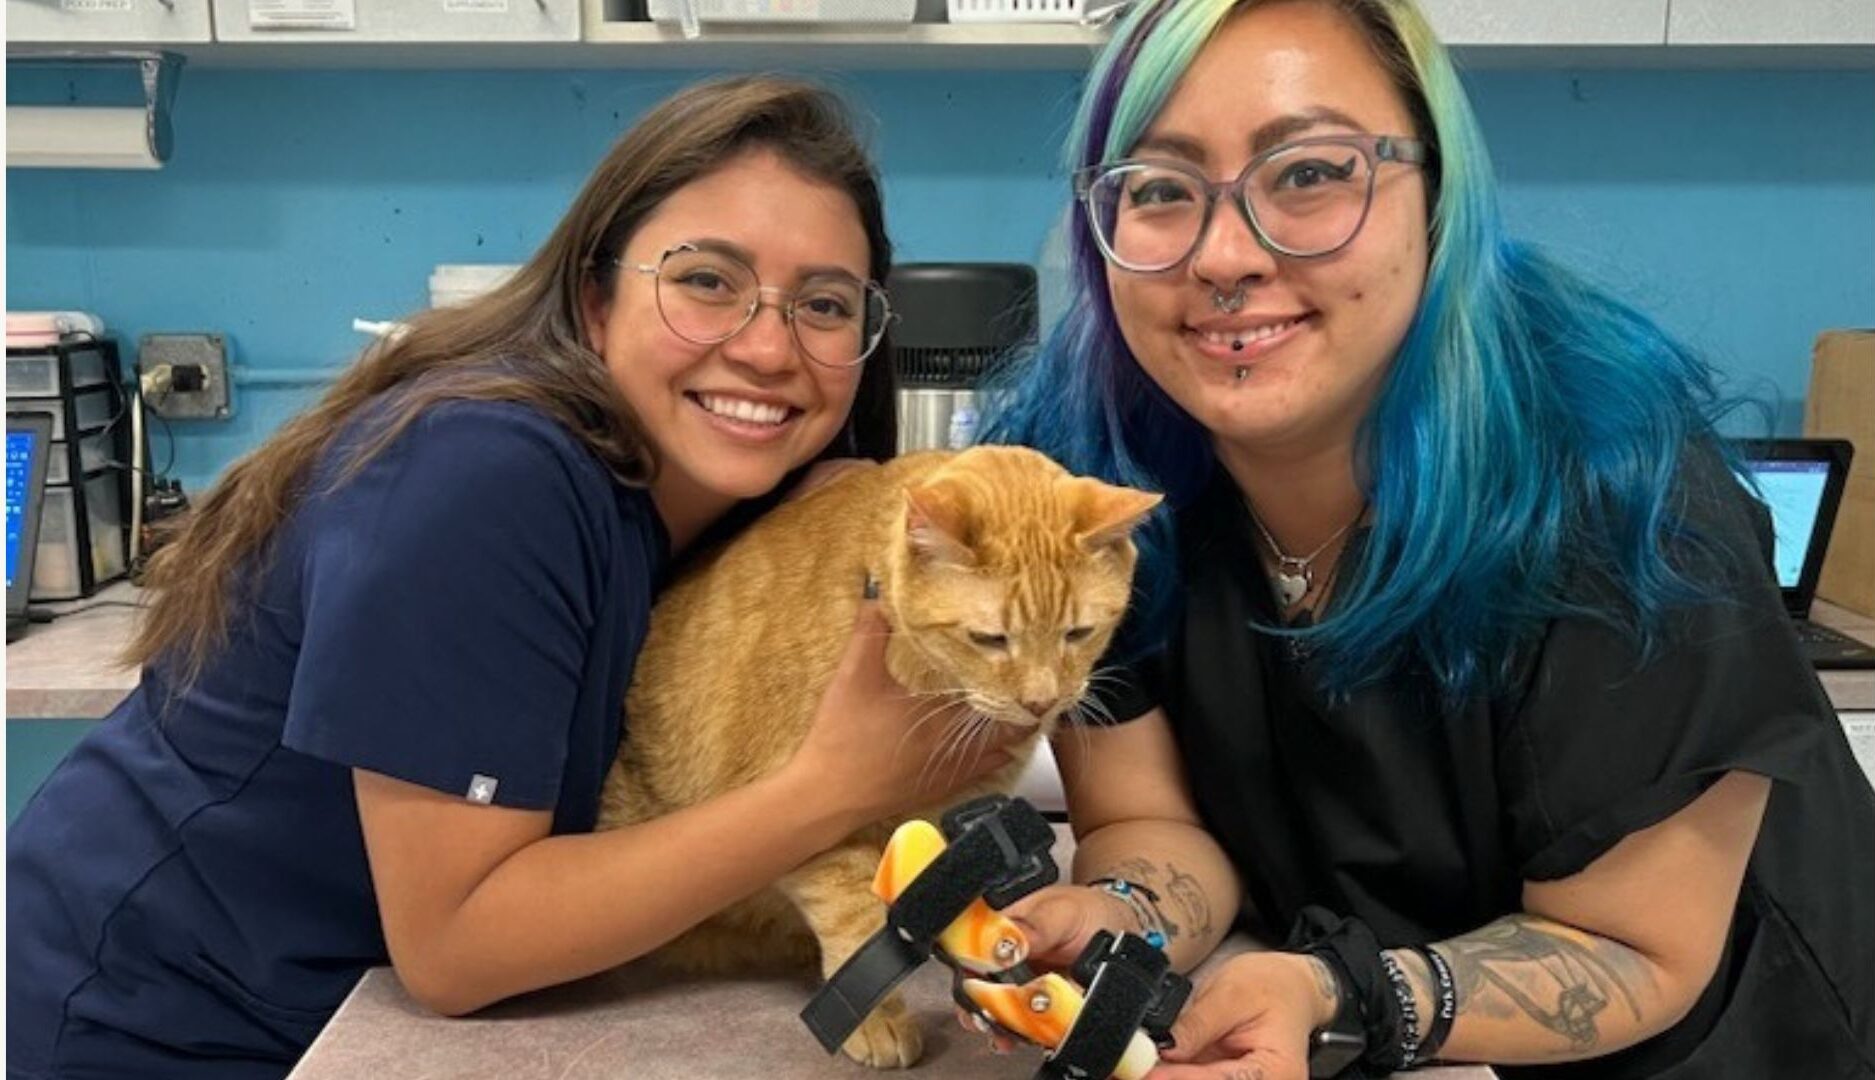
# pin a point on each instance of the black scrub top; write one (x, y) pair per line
(188, 894)
(1425, 820)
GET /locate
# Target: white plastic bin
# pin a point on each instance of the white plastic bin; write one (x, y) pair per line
(56, 571)
(34, 375)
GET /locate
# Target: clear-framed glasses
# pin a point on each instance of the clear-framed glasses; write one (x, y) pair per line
(708, 296)
(1303, 199)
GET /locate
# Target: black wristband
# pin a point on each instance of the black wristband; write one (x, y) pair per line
(1444, 1002)
(1409, 1011)
(1355, 953)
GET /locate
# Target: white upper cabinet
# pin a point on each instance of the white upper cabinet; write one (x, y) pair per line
(1551, 22)
(159, 22)
(321, 23)
(1786, 22)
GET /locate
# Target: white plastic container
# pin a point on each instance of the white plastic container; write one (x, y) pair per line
(458, 283)
(56, 573)
(1015, 11)
(94, 411)
(36, 375)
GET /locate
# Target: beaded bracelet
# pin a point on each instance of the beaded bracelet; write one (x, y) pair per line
(1143, 901)
(1409, 1011)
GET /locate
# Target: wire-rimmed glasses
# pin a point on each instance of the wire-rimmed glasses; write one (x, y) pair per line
(707, 296)
(1303, 199)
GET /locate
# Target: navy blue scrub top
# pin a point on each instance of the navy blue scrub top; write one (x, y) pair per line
(188, 894)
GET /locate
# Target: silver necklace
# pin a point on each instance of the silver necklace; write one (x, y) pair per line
(1295, 575)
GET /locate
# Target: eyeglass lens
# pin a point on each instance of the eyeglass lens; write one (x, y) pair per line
(1307, 199)
(709, 296)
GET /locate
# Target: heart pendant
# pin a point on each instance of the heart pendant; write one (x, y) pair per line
(1291, 588)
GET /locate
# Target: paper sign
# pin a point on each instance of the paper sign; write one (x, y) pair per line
(302, 15)
(1860, 727)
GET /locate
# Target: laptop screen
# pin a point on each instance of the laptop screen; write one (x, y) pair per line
(1794, 492)
(23, 444)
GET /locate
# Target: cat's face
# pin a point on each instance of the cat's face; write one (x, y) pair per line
(1011, 576)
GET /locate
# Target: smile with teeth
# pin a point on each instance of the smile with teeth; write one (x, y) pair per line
(1237, 339)
(744, 410)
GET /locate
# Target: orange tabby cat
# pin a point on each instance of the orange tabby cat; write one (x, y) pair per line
(1003, 577)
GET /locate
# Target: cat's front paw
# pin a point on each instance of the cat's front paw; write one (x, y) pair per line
(888, 1039)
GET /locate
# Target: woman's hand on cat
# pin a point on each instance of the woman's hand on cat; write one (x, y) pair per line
(881, 750)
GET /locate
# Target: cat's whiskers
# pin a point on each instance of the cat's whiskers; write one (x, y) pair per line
(952, 742)
(946, 704)
(981, 724)
(941, 700)
(1082, 712)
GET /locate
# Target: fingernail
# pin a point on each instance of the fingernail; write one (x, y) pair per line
(871, 591)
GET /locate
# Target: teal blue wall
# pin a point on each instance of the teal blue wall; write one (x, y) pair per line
(33, 747)
(1737, 206)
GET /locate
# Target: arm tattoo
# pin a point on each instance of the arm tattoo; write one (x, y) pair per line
(1324, 980)
(1179, 892)
(1545, 972)
(1188, 896)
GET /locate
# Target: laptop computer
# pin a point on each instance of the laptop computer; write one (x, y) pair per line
(1802, 482)
(29, 447)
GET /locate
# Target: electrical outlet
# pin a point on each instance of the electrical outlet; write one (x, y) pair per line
(185, 376)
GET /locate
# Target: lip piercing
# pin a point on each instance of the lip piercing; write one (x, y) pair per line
(1243, 373)
(1229, 305)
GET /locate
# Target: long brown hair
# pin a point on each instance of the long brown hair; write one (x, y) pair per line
(525, 341)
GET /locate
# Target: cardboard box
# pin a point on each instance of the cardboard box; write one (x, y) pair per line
(1841, 405)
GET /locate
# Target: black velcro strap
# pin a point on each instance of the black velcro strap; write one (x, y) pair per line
(839, 1007)
(1128, 980)
(998, 849)
(1011, 832)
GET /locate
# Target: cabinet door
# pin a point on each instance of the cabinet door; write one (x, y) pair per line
(1550, 22)
(326, 22)
(125, 21)
(1787, 22)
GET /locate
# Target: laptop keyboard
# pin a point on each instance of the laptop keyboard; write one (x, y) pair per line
(1818, 637)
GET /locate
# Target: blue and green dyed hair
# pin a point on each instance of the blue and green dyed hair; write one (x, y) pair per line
(1529, 421)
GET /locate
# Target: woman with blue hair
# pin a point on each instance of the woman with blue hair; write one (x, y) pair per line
(1458, 659)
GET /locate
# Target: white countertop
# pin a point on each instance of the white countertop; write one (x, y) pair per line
(637, 1022)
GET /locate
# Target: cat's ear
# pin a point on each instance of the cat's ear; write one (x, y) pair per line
(1105, 513)
(937, 523)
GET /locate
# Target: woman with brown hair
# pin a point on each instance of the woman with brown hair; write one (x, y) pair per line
(383, 666)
